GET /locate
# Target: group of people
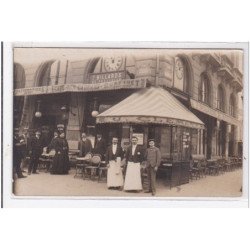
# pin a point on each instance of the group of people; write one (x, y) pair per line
(123, 167)
(132, 159)
(34, 150)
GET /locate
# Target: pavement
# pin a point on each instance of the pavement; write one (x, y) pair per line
(45, 184)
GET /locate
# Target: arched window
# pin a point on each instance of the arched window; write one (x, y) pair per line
(19, 76)
(220, 98)
(204, 89)
(232, 105)
(43, 75)
(182, 74)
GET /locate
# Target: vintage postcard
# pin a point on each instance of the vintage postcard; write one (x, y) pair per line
(122, 122)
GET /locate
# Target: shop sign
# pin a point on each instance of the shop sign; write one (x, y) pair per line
(106, 77)
(79, 87)
(139, 137)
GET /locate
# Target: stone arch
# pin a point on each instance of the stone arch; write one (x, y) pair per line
(189, 74)
(90, 68)
(42, 75)
(19, 76)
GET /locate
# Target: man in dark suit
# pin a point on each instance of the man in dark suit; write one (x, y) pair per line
(84, 146)
(153, 159)
(36, 149)
(135, 153)
(134, 157)
(100, 146)
(18, 145)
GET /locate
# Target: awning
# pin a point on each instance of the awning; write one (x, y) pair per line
(214, 113)
(152, 105)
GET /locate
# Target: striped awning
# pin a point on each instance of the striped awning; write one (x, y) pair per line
(152, 105)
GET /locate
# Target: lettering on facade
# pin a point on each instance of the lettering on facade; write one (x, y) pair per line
(106, 77)
(79, 87)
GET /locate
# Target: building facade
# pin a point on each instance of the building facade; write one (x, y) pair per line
(74, 92)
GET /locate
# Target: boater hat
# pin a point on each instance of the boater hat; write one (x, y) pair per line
(60, 126)
(152, 139)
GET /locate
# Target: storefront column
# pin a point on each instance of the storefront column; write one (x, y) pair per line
(235, 141)
(27, 113)
(75, 118)
(228, 127)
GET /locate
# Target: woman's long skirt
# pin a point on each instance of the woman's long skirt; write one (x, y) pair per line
(60, 164)
(115, 176)
(133, 177)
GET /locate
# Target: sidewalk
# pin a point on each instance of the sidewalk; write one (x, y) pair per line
(44, 184)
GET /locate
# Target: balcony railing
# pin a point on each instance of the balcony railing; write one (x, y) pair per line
(238, 78)
(226, 68)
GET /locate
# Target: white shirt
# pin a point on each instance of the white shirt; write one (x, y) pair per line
(133, 149)
(114, 148)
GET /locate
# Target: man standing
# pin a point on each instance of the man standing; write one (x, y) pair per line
(153, 158)
(36, 149)
(114, 156)
(134, 158)
(18, 156)
(100, 146)
(84, 146)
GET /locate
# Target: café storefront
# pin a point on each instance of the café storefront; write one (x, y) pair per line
(155, 113)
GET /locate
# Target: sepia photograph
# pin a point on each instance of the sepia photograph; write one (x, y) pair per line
(127, 122)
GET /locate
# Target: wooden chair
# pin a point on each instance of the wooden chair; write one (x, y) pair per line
(80, 166)
(103, 170)
(90, 171)
(195, 170)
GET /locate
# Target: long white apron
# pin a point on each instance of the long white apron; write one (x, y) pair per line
(133, 177)
(115, 176)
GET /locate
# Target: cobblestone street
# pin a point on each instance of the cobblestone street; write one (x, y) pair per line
(44, 184)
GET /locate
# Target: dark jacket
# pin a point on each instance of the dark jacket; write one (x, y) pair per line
(100, 147)
(138, 155)
(52, 144)
(84, 147)
(36, 146)
(153, 157)
(110, 156)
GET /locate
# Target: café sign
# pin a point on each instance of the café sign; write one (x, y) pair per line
(86, 87)
(106, 77)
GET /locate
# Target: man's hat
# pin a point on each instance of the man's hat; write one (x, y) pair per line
(152, 139)
(60, 126)
(38, 132)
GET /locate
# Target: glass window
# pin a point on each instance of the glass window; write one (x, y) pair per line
(232, 107)
(220, 99)
(204, 89)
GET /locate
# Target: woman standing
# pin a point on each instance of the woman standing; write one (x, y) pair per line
(60, 163)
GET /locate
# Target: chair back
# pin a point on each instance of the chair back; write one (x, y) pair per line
(96, 160)
(88, 156)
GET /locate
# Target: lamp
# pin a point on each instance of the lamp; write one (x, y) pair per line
(38, 113)
(95, 112)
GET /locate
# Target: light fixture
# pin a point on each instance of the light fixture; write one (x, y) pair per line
(38, 113)
(95, 113)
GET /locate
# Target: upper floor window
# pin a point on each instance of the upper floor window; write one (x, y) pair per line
(232, 105)
(220, 98)
(204, 89)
